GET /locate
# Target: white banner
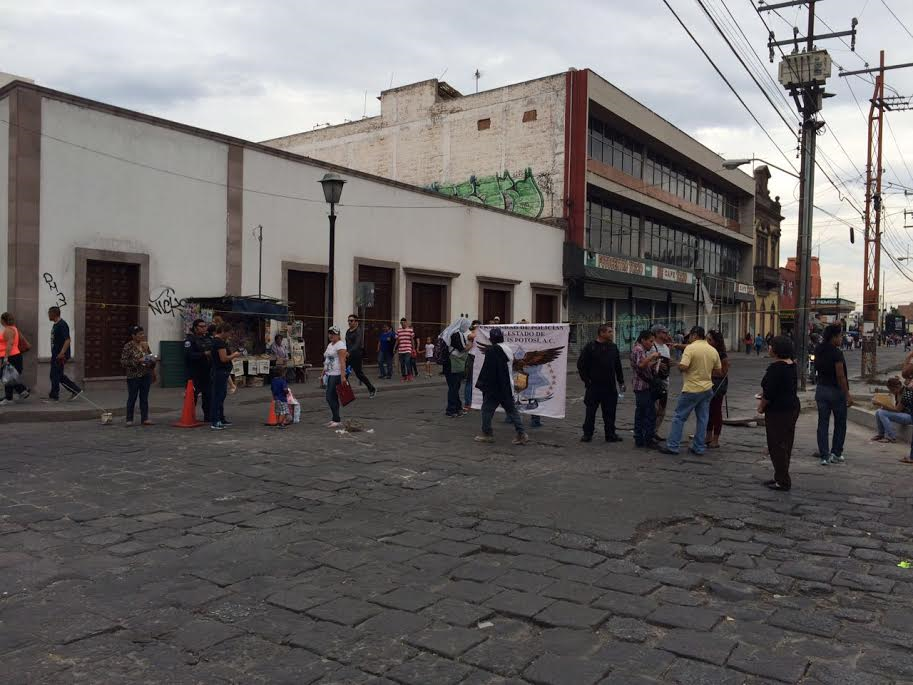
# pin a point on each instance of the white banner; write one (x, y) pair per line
(538, 369)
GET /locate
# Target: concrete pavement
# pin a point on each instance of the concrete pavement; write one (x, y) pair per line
(411, 554)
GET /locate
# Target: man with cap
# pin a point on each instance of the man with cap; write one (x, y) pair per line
(197, 347)
(664, 345)
(697, 366)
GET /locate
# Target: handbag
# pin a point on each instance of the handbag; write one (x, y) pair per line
(9, 375)
(345, 394)
(24, 345)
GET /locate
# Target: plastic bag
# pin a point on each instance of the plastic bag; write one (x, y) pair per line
(9, 375)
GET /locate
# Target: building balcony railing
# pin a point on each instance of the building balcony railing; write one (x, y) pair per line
(766, 277)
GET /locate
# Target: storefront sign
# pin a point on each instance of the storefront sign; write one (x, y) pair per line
(744, 289)
(637, 268)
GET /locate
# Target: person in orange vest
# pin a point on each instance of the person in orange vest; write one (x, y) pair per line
(12, 343)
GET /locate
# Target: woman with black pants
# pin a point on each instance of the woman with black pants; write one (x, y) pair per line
(780, 406)
(139, 365)
(221, 370)
(720, 380)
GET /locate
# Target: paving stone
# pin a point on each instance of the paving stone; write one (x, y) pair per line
(534, 533)
(684, 617)
(632, 658)
(806, 571)
(577, 556)
(826, 549)
(687, 672)
(861, 581)
(628, 629)
(735, 592)
(626, 605)
(741, 561)
(709, 553)
(457, 613)
(496, 527)
(478, 572)
(859, 615)
(447, 641)
(622, 566)
(428, 668)
(674, 576)
(568, 642)
(345, 611)
(622, 678)
(504, 657)
(737, 547)
(522, 604)
(527, 562)
(712, 648)
(569, 615)
(130, 548)
(629, 584)
(411, 539)
(573, 541)
(786, 668)
(573, 592)
(766, 578)
(395, 623)
(200, 634)
(550, 669)
(840, 674)
(439, 564)
(811, 622)
(521, 580)
(453, 548)
(894, 664)
(470, 591)
(676, 595)
(610, 548)
(407, 599)
(105, 539)
(808, 587)
(875, 555)
(300, 598)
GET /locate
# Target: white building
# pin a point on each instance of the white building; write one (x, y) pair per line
(117, 216)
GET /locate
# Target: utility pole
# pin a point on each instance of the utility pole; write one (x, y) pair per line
(838, 293)
(872, 304)
(804, 74)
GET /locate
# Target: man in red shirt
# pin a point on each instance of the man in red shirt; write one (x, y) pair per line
(405, 346)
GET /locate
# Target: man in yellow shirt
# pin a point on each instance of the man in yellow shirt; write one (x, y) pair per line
(697, 365)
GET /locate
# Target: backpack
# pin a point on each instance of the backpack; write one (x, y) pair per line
(441, 351)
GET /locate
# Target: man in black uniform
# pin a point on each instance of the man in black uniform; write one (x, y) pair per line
(599, 366)
(355, 349)
(196, 356)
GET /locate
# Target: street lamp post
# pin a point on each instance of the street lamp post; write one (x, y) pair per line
(698, 275)
(332, 192)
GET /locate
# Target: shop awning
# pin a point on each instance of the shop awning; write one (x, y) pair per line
(265, 307)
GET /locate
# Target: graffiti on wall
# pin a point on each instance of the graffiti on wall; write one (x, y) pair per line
(629, 326)
(61, 299)
(166, 302)
(521, 196)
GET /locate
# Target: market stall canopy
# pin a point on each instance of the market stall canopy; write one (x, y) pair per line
(266, 307)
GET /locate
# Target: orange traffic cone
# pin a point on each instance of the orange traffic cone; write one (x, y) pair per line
(188, 415)
(272, 420)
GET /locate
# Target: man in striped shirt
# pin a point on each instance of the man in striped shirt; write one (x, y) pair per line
(405, 342)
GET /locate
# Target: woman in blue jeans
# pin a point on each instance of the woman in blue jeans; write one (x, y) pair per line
(898, 412)
(334, 360)
(643, 360)
(832, 394)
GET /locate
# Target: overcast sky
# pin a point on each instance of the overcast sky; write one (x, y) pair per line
(263, 69)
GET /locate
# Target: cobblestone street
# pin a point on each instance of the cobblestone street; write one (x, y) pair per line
(409, 554)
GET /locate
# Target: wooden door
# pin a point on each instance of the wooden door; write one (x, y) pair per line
(546, 309)
(380, 310)
(428, 310)
(495, 303)
(112, 306)
(307, 292)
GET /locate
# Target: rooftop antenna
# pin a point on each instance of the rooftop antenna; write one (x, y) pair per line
(442, 73)
(364, 114)
(391, 78)
(477, 76)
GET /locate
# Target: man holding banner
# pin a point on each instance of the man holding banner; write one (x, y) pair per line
(600, 370)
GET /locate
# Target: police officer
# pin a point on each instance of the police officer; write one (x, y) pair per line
(196, 356)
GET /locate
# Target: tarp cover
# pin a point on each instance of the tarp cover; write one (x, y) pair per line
(252, 306)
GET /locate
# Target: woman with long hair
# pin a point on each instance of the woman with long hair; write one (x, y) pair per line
(139, 367)
(720, 387)
(780, 406)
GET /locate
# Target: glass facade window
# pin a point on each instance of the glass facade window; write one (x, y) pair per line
(618, 232)
(612, 231)
(614, 149)
(621, 152)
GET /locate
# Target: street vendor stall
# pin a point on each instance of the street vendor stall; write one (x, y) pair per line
(253, 321)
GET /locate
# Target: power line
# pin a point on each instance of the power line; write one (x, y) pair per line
(726, 81)
(897, 18)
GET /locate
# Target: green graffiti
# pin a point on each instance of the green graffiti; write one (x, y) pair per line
(501, 190)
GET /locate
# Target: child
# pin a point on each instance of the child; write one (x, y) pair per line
(429, 356)
(279, 388)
